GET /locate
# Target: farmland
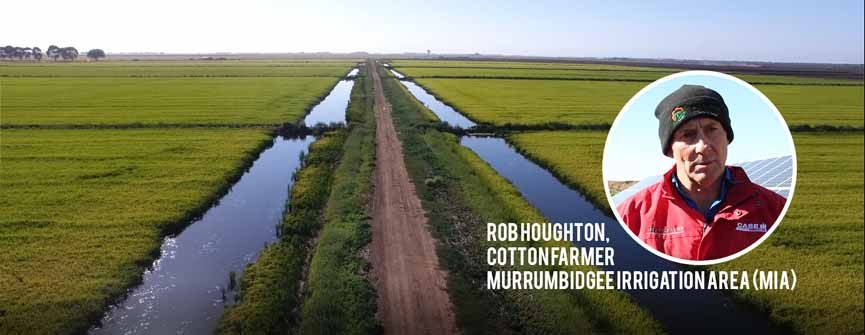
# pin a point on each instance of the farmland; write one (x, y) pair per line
(591, 72)
(112, 69)
(101, 160)
(534, 102)
(84, 209)
(158, 101)
(821, 237)
(503, 102)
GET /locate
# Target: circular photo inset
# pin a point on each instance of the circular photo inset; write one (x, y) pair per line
(699, 167)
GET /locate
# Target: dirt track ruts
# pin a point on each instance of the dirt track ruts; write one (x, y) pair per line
(412, 288)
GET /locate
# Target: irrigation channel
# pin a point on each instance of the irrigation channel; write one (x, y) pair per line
(679, 312)
(187, 287)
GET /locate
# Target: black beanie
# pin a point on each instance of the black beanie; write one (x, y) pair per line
(688, 102)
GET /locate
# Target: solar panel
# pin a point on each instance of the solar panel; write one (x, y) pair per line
(775, 174)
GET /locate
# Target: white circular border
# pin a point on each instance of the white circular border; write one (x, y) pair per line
(789, 138)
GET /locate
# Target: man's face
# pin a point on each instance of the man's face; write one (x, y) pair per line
(699, 149)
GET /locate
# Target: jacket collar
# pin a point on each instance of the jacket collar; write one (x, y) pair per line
(736, 194)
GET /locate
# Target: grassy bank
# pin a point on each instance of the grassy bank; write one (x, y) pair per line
(313, 280)
(339, 298)
(268, 292)
(461, 193)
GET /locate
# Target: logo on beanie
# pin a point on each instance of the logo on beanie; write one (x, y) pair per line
(678, 114)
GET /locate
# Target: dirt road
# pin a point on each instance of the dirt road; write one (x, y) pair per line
(412, 290)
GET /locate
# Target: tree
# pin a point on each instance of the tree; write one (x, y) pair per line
(37, 53)
(69, 53)
(53, 52)
(96, 54)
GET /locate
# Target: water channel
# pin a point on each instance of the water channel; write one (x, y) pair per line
(187, 287)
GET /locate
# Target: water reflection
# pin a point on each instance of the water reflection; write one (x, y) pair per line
(332, 108)
(186, 290)
(444, 112)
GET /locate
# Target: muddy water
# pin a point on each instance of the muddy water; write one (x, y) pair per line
(187, 288)
(331, 110)
(444, 112)
(680, 312)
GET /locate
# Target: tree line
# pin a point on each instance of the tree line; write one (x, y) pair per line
(54, 52)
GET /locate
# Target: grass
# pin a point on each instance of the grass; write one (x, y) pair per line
(818, 105)
(469, 194)
(268, 294)
(340, 299)
(82, 212)
(324, 232)
(820, 237)
(510, 103)
(534, 102)
(158, 101)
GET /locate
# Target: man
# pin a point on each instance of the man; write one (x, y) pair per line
(701, 209)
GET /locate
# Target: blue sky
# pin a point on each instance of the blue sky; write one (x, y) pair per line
(789, 31)
(633, 149)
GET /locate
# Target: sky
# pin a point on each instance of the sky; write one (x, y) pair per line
(633, 149)
(781, 31)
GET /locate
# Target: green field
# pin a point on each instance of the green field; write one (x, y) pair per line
(564, 71)
(821, 238)
(818, 105)
(158, 101)
(534, 102)
(84, 210)
(246, 68)
(504, 102)
(516, 65)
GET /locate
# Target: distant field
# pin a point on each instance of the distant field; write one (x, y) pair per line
(153, 101)
(178, 69)
(81, 210)
(536, 102)
(821, 236)
(516, 65)
(819, 105)
(595, 72)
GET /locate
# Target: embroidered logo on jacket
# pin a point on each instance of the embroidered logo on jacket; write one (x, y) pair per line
(752, 227)
(666, 230)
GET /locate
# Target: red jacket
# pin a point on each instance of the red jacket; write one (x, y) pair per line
(662, 219)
